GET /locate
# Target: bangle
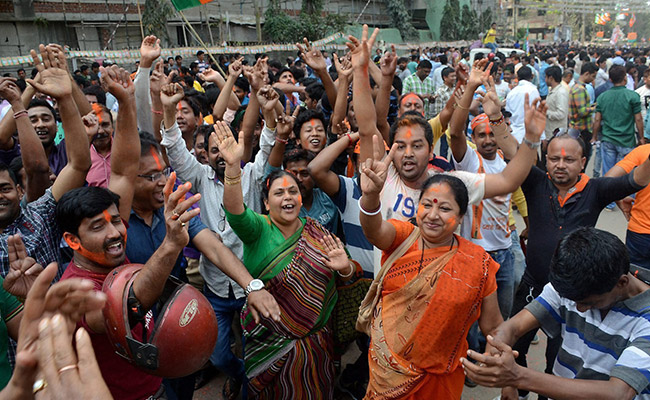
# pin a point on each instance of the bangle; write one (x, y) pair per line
(22, 113)
(350, 139)
(369, 213)
(457, 105)
(349, 275)
(156, 112)
(497, 122)
(281, 140)
(532, 145)
(232, 181)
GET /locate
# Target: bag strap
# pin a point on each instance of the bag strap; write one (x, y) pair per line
(398, 253)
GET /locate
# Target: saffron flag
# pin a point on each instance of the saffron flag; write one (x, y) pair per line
(632, 20)
(184, 4)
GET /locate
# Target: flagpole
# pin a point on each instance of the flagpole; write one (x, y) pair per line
(197, 37)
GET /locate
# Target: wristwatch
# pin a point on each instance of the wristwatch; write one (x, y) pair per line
(532, 145)
(254, 286)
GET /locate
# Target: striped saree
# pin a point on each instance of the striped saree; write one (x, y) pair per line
(292, 359)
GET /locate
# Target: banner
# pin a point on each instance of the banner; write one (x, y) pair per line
(184, 4)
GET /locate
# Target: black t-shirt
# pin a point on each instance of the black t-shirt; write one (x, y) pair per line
(551, 218)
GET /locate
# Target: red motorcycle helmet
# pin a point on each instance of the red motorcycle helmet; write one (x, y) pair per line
(184, 333)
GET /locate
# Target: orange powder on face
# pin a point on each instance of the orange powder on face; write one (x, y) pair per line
(285, 182)
(98, 112)
(409, 133)
(179, 107)
(107, 216)
(154, 154)
(411, 96)
(563, 152)
(312, 122)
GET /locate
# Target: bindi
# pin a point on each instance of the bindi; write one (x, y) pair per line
(435, 200)
(312, 122)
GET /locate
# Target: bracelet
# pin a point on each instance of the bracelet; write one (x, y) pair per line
(19, 114)
(232, 181)
(369, 213)
(281, 140)
(457, 105)
(156, 112)
(350, 139)
(532, 145)
(352, 271)
(497, 122)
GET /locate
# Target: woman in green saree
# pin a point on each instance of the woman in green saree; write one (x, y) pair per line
(297, 260)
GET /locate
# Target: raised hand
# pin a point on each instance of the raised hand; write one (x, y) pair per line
(284, 127)
(157, 79)
(313, 57)
(235, 67)
(374, 170)
(337, 258)
(23, 270)
(388, 62)
(91, 123)
(480, 71)
(343, 66)
(210, 75)
(68, 374)
(462, 74)
(171, 94)
(360, 49)
(9, 90)
(231, 150)
(268, 97)
(149, 51)
(258, 75)
(117, 81)
(55, 80)
(535, 117)
(491, 103)
(178, 211)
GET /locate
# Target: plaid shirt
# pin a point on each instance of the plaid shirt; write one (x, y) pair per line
(417, 86)
(444, 94)
(579, 107)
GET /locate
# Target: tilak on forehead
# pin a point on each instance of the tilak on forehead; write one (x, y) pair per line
(312, 122)
(411, 96)
(154, 154)
(409, 133)
(107, 216)
(98, 112)
(563, 152)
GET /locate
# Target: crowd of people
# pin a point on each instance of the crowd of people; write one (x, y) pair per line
(272, 187)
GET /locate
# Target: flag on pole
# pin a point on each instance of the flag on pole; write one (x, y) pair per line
(527, 44)
(632, 20)
(184, 4)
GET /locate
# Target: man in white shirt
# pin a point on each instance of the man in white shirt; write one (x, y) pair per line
(437, 73)
(515, 101)
(644, 93)
(601, 76)
(557, 102)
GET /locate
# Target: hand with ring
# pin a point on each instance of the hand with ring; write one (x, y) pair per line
(178, 211)
(64, 374)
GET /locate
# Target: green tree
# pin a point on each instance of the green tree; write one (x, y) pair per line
(485, 20)
(279, 27)
(401, 19)
(450, 23)
(468, 24)
(154, 18)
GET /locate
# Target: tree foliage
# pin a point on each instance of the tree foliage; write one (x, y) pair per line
(154, 18)
(401, 19)
(280, 27)
(469, 27)
(450, 23)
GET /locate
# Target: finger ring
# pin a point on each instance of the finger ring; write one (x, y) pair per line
(39, 385)
(482, 365)
(67, 368)
(183, 224)
(175, 216)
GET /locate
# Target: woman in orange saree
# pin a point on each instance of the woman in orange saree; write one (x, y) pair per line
(433, 286)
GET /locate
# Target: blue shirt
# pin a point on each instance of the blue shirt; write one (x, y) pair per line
(322, 210)
(543, 88)
(144, 240)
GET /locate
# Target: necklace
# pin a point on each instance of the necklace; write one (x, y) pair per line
(451, 246)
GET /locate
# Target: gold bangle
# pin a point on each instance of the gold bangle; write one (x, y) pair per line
(232, 181)
(232, 177)
(457, 105)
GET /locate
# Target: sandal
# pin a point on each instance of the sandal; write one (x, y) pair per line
(231, 389)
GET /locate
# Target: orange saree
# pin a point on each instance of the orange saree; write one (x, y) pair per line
(419, 328)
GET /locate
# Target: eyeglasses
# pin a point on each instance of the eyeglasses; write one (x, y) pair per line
(155, 176)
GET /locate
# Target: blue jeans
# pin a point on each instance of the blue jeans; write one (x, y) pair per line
(505, 280)
(638, 245)
(612, 154)
(519, 257)
(505, 295)
(492, 46)
(444, 146)
(222, 356)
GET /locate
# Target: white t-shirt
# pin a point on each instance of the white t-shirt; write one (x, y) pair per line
(401, 202)
(502, 90)
(644, 93)
(493, 231)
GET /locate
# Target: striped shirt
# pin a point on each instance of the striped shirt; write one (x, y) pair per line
(598, 348)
